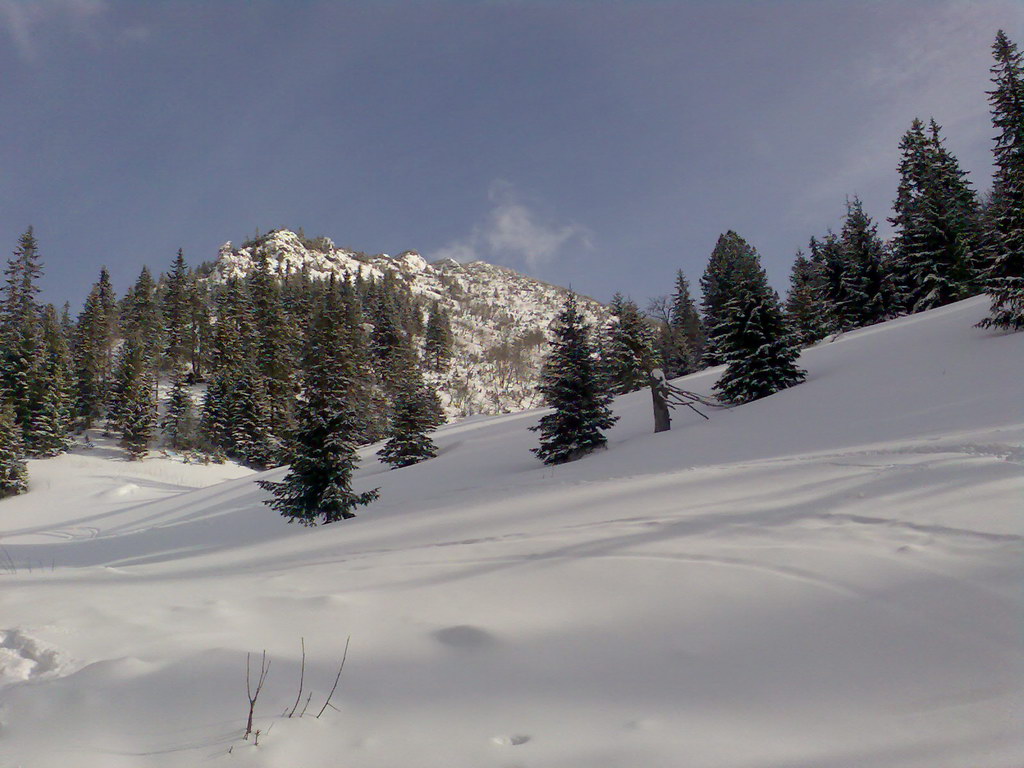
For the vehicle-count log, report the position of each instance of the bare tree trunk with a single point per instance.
(659, 393)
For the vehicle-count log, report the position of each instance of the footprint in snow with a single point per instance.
(464, 636)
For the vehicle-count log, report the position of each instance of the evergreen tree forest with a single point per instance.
(212, 369)
(948, 244)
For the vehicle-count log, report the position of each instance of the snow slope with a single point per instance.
(828, 577)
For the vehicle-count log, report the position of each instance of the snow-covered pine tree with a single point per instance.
(868, 293)
(758, 347)
(437, 344)
(48, 432)
(179, 422)
(685, 323)
(1004, 277)
(92, 350)
(573, 387)
(414, 417)
(629, 347)
(273, 351)
(318, 486)
(140, 314)
(20, 331)
(133, 402)
(804, 312)
(733, 262)
(935, 216)
(176, 309)
(236, 411)
(13, 472)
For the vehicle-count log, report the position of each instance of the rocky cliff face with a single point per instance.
(500, 318)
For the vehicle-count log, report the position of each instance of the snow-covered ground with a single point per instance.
(831, 577)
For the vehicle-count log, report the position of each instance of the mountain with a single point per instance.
(828, 577)
(499, 317)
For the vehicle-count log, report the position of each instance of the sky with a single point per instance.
(602, 145)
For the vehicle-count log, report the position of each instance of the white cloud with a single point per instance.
(512, 230)
(21, 19)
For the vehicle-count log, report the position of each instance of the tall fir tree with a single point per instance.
(415, 416)
(177, 313)
(13, 471)
(48, 432)
(93, 350)
(686, 325)
(935, 217)
(273, 349)
(1004, 278)
(20, 329)
(132, 411)
(140, 314)
(733, 263)
(629, 347)
(179, 422)
(759, 350)
(805, 313)
(573, 387)
(236, 409)
(318, 486)
(868, 286)
(438, 340)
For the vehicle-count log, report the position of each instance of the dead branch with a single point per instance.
(336, 679)
(264, 669)
(302, 677)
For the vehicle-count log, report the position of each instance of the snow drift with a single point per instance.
(827, 577)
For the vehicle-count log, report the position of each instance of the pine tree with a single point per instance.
(733, 263)
(133, 404)
(273, 351)
(868, 290)
(20, 329)
(415, 415)
(1005, 275)
(179, 422)
(140, 314)
(752, 337)
(572, 386)
(318, 486)
(935, 216)
(759, 350)
(686, 325)
(629, 349)
(92, 350)
(48, 432)
(804, 311)
(13, 472)
(177, 313)
(236, 410)
(437, 345)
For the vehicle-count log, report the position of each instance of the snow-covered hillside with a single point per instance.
(826, 578)
(499, 316)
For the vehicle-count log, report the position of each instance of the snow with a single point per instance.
(497, 315)
(829, 577)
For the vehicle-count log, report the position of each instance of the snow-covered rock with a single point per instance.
(499, 317)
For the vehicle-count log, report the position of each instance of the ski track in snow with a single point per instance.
(793, 584)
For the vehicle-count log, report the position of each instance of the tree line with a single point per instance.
(949, 243)
(135, 366)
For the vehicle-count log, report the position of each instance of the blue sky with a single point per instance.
(598, 144)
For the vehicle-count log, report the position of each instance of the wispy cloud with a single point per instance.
(22, 20)
(937, 69)
(514, 230)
